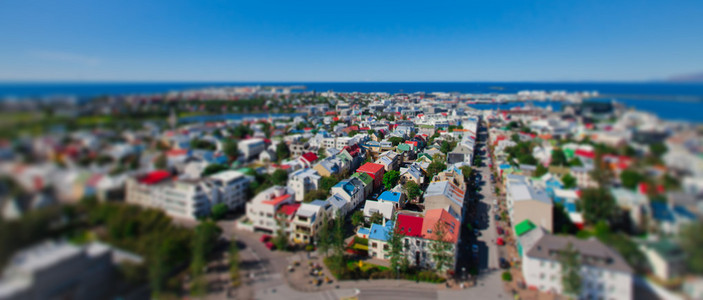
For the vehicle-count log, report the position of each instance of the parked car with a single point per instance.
(504, 264)
(265, 238)
(500, 241)
(476, 232)
(496, 217)
(500, 230)
(474, 248)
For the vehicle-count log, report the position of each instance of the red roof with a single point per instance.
(331, 113)
(289, 209)
(277, 200)
(155, 177)
(409, 225)
(370, 168)
(364, 128)
(177, 152)
(310, 157)
(353, 149)
(451, 225)
(584, 153)
(411, 143)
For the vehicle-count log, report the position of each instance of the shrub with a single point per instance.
(507, 276)
(309, 248)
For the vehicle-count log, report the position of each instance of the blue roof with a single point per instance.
(346, 185)
(684, 212)
(380, 232)
(364, 231)
(389, 196)
(661, 212)
(570, 207)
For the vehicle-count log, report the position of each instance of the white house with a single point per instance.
(261, 211)
(303, 181)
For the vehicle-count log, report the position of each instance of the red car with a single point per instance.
(265, 238)
(500, 241)
(270, 246)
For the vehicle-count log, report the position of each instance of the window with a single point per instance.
(374, 245)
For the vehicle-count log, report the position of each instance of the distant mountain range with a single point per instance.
(695, 77)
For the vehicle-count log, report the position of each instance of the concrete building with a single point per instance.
(604, 273)
(184, 198)
(60, 270)
(231, 188)
(528, 202)
(303, 181)
(261, 211)
(308, 220)
(251, 148)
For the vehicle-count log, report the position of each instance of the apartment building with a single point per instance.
(374, 170)
(231, 187)
(303, 181)
(251, 148)
(528, 202)
(308, 220)
(262, 209)
(604, 273)
(184, 198)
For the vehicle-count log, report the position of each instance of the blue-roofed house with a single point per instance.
(398, 199)
(351, 190)
(671, 218)
(363, 232)
(378, 237)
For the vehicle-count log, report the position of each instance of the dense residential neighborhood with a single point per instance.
(593, 201)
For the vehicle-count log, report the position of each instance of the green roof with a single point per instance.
(404, 147)
(365, 178)
(523, 227)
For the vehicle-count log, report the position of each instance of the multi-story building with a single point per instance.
(376, 172)
(303, 181)
(308, 220)
(61, 270)
(231, 187)
(604, 273)
(419, 232)
(389, 159)
(251, 148)
(528, 202)
(261, 211)
(351, 190)
(298, 148)
(184, 198)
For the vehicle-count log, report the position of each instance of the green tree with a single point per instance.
(390, 179)
(231, 149)
(570, 270)
(396, 140)
(161, 162)
(337, 244)
(467, 172)
(445, 147)
(213, 169)
(327, 182)
(598, 204)
(281, 238)
(233, 257)
(324, 236)
(205, 237)
(575, 162)
(658, 149)
(315, 195)
(692, 244)
(219, 210)
(541, 170)
(558, 158)
(569, 181)
(630, 178)
(357, 218)
(441, 247)
(282, 151)
(434, 168)
(506, 276)
(412, 189)
(376, 218)
(527, 159)
(279, 177)
(395, 245)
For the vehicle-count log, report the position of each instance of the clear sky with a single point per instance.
(219, 40)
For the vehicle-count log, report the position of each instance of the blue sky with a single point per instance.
(218, 40)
